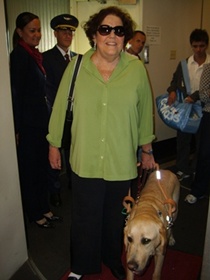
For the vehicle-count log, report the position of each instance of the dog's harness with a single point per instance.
(128, 201)
(168, 201)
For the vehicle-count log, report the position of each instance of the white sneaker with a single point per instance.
(181, 175)
(191, 199)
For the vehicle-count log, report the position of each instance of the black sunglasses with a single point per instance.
(106, 30)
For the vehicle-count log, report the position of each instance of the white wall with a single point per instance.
(13, 251)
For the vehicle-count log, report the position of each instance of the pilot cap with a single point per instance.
(64, 21)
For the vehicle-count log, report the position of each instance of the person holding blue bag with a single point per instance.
(199, 41)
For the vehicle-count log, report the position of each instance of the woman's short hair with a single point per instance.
(90, 27)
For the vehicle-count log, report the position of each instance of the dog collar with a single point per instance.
(169, 219)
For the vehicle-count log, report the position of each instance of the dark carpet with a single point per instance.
(49, 255)
(177, 266)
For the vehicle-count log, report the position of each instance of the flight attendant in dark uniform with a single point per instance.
(28, 81)
(55, 61)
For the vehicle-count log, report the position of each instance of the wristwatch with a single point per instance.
(149, 152)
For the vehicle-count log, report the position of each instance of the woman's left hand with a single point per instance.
(148, 162)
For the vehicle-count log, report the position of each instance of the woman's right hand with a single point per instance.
(188, 99)
(171, 98)
(54, 157)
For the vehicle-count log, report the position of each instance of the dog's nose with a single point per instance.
(132, 265)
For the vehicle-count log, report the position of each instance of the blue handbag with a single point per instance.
(180, 115)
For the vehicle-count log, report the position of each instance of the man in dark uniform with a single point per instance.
(55, 62)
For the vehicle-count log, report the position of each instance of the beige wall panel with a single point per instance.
(206, 18)
(13, 251)
(45, 9)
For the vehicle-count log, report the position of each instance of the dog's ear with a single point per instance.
(163, 240)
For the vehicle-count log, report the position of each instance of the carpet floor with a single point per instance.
(177, 266)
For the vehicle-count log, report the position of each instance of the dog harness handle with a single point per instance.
(128, 202)
(172, 203)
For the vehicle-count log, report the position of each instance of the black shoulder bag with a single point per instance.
(66, 139)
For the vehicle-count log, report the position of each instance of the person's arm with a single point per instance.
(56, 125)
(58, 115)
(204, 89)
(57, 118)
(171, 98)
(193, 97)
(174, 85)
(148, 161)
(146, 128)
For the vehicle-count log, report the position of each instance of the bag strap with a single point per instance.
(186, 76)
(71, 91)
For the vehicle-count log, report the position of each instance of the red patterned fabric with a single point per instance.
(34, 52)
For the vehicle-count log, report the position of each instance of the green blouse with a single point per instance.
(111, 119)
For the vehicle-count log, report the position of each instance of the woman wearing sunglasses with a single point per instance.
(112, 115)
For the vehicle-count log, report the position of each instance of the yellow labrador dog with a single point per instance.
(148, 229)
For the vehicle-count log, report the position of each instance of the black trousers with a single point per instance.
(54, 184)
(97, 224)
(33, 162)
(184, 143)
(201, 182)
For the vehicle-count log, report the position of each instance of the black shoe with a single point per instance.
(46, 225)
(119, 272)
(55, 199)
(54, 219)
